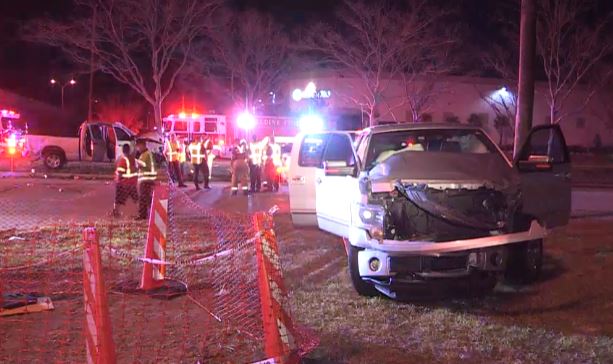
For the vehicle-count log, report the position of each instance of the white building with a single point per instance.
(458, 99)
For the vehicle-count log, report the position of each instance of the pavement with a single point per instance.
(31, 201)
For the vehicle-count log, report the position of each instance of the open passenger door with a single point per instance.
(306, 158)
(336, 185)
(544, 165)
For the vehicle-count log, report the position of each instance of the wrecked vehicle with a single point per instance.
(423, 202)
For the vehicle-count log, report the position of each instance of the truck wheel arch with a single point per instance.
(53, 150)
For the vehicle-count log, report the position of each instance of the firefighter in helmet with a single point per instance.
(197, 158)
(240, 168)
(147, 175)
(175, 155)
(272, 160)
(125, 179)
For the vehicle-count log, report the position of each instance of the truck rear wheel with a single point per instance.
(53, 159)
(361, 286)
(525, 262)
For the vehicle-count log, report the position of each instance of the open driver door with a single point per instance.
(545, 169)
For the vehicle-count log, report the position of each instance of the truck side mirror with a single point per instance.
(338, 168)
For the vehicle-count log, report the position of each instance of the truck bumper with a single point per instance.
(481, 253)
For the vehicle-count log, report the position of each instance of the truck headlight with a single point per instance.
(371, 218)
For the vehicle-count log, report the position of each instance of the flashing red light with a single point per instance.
(11, 142)
(182, 115)
(195, 115)
(221, 143)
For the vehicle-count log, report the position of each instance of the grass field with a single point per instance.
(566, 317)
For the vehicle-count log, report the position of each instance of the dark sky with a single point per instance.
(26, 68)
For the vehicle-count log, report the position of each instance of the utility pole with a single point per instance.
(525, 87)
(92, 69)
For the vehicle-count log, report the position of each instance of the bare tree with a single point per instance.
(569, 49)
(252, 52)
(141, 43)
(126, 110)
(377, 43)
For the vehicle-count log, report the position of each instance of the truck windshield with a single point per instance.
(383, 145)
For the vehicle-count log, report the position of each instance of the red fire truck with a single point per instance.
(13, 133)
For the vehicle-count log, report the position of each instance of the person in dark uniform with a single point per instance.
(255, 163)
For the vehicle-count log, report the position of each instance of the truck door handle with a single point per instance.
(298, 180)
(318, 180)
(565, 175)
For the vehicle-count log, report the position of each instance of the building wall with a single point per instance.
(461, 97)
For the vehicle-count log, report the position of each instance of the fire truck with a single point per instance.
(187, 126)
(13, 134)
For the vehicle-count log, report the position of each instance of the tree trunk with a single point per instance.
(500, 136)
(552, 113)
(527, 52)
(157, 114)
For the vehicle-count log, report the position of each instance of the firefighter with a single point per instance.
(240, 169)
(197, 157)
(255, 165)
(272, 156)
(147, 175)
(125, 179)
(173, 150)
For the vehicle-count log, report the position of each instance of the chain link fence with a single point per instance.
(211, 311)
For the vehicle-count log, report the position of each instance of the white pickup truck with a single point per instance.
(417, 203)
(94, 142)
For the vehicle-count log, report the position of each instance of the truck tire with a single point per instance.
(53, 159)
(361, 286)
(525, 262)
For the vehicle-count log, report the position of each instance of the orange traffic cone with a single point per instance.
(99, 336)
(279, 343)
(154, 268)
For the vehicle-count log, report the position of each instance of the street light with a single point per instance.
(70, 82)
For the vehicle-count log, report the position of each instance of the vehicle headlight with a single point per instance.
(371, 218)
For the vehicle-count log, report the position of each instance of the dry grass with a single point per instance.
(534, 324)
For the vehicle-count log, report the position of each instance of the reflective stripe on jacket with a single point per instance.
(196, 152)
(147, 171)
(171, 151)
(126, 167)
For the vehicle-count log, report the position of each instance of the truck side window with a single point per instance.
(546, 142)
(339, 149)
(312, 150)
(122, 135)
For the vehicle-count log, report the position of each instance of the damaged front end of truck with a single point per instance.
(427, 216)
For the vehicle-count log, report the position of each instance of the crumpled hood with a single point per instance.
(489, 169)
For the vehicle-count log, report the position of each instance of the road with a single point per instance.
(27, 202)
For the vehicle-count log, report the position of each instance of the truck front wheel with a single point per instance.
(53, 159)
(362, 287)
(525, 262)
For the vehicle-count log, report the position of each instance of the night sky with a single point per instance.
(26, 68)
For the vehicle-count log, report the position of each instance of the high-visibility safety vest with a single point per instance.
(255, 153)
(126, 168)
(173, 151)
(196, 151)
(147, 171)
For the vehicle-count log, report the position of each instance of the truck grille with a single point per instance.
(413, 264)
